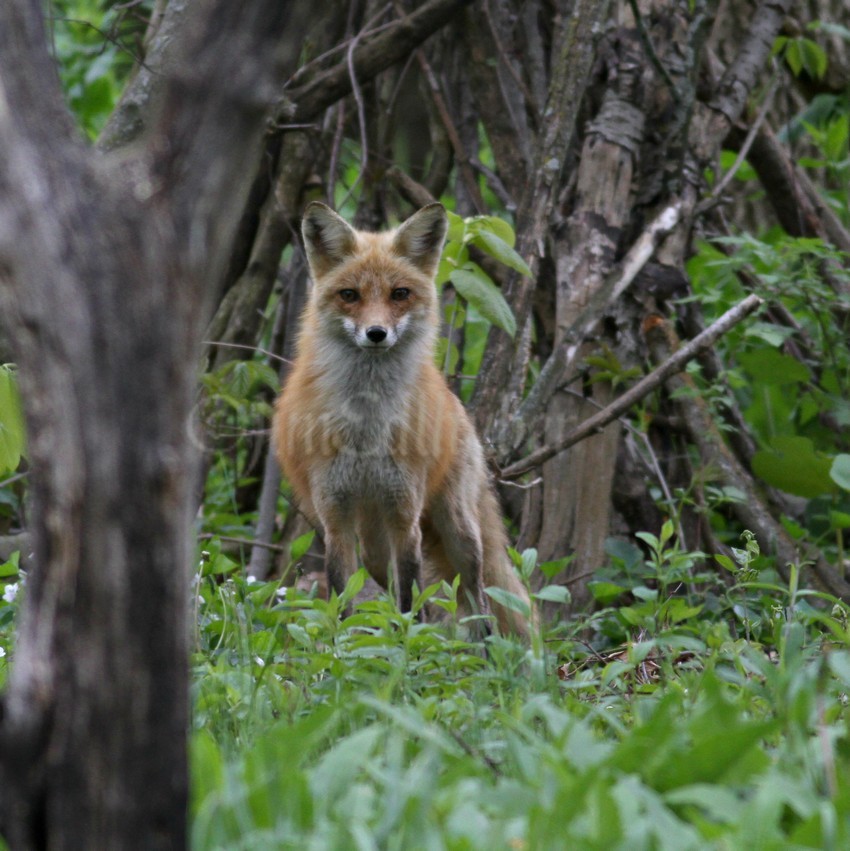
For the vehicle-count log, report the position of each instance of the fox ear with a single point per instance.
(328, 238)
(420, 238)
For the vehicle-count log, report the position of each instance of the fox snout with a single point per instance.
(375, 337)
(376, 334)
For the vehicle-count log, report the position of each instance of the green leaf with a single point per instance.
(498, 248)
(791, 464)
(605, 592)
(773, 335)
(508, 600)
(770, 366)
(455, 255)
(814, 58)
(840, 471)
(528, 563)
(12, 436)
(554, 594)
(551, 569)
(353, 587)
(477, 288)
(725, 561)
(499, 227)
(457, 228)
(11, 567)
(831, 29)
(794, 56)
(299, 547)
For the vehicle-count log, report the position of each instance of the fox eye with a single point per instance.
(400, 294)
(349, 296)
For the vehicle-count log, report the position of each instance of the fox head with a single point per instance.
(374, 290)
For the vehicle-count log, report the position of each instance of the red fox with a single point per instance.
(375, 446)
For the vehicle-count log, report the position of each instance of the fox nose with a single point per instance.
(376, 334)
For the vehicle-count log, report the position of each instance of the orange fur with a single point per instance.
(376, 447)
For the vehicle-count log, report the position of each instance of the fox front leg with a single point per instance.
(340, 556)
(408, 568)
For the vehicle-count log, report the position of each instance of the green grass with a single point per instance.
(377, 732)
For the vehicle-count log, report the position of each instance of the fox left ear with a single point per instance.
(420, 238)
(328, 239)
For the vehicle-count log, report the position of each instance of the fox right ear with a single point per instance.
(328, 238)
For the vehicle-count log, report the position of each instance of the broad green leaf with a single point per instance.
(840, 471)
(498, 248)
(528, 563)
(791, 464)
(455, 255)
(477, 288)
(551, 569)
(11, 567)
(508, 600)
(814, 58)
(499, 227)
(299, 547)
(457, 227)
(773, 335)
(831, 29)
(12, 437)
(605, 592)
(770, 366)
(554, 594)
(794, 56)
(353, 587)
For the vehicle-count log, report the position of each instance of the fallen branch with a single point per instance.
(673, 364)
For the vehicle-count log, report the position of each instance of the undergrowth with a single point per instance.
(698, 715)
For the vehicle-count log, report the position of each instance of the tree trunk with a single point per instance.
(104, 295)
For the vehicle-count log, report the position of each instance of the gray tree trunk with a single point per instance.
(104, 293)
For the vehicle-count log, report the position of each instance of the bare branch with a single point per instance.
(375, 54)
(675, 363)
(556, 368)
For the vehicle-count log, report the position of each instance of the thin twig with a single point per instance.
(230, 539)
(259, 349)
(653, 463)
(304, 69)
(533, 107)
(12, 479)
(336, 146)
(357, 94)
(648, 46)
(675, 363)
(717, 192)
(571, 580)
(106, 36)
(522, 485)
(460, 152)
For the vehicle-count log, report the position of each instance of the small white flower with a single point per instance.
(2, 652)
(260, 661)
(281, 592)
(10, 592)
(251, 580)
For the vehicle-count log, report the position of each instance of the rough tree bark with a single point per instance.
(104, 285)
